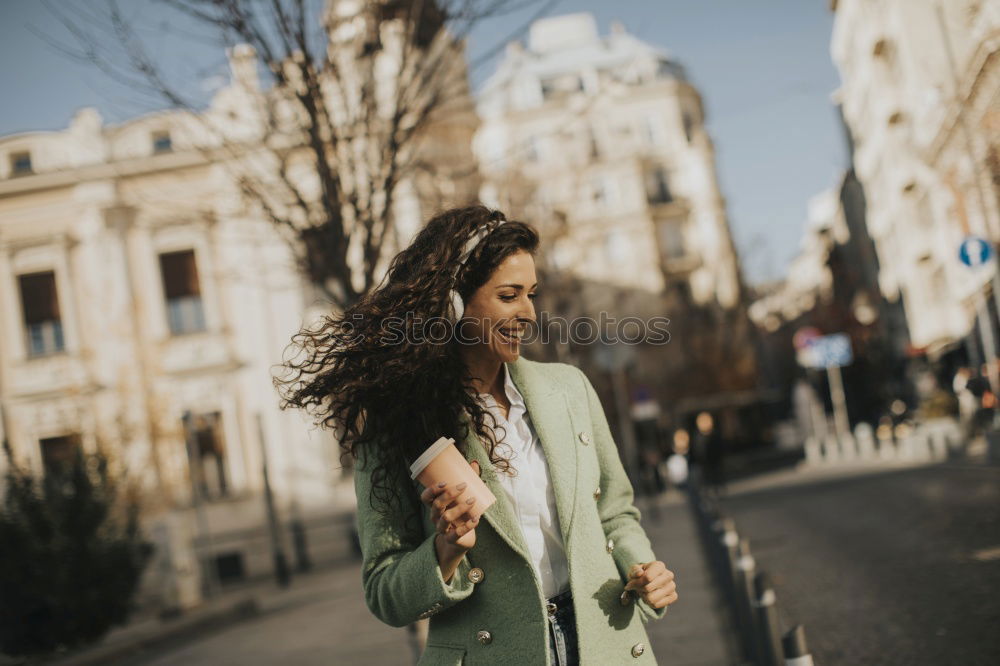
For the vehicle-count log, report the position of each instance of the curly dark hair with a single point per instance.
(398, 393)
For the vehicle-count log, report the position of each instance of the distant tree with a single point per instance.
(70, 555)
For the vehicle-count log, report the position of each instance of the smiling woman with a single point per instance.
(562, 547)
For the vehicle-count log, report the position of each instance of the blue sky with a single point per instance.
(763, 68)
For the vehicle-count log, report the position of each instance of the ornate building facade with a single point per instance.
(921, 92)
(144, 305)
(601, 141)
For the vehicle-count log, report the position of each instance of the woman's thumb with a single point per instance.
(475, 466)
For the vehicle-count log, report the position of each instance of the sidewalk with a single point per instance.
(322, 618)
(696, 630)
(254, 599)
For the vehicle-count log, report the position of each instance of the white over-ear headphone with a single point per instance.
(457, 304)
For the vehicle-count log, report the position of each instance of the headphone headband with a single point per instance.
(470, 246)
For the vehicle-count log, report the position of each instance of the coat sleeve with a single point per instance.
(619, 516)
(400, 574)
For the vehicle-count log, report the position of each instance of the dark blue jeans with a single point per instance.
(562, 630)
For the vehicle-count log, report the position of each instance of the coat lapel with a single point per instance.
(548, 408)
(501, 514)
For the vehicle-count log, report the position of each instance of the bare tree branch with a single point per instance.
(346, 116)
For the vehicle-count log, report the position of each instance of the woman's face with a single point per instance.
(498, 311)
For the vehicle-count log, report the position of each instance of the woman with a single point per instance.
(558, 570)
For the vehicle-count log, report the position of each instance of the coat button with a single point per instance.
(585, 438)
(597, 494)
(626, 597)
(611, 545)
(484, 637)
(638, 649)
(476, 574)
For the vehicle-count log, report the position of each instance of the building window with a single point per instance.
(666, 69)
(20, 164)
(206, 455)
(58, 453)
(925, 215)
(657, 189)
(182, 289)
(162, 142)
(594, 148)
(672, 239)
(653, 130)
(617, 247)
(688, 121)
(40, 307)
(559, 86)
(603, 192)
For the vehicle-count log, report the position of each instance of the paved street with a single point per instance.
(901, 567)
(323, 620)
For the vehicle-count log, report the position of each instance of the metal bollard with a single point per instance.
(769, 632)
(729, 543)
(744, 577)
(795, 648)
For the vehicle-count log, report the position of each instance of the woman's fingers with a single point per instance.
(455, 512)
(462, 529)
(652, 581)
(431, 493)
(448, 495)
(660, 598)
(454, 531)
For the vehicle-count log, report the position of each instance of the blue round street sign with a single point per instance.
(974, 251)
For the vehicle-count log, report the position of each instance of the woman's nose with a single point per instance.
(527, 312)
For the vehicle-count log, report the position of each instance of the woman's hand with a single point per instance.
(449, 507)
(654, 583)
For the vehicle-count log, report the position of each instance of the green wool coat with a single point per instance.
(501, 618)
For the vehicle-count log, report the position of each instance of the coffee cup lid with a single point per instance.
(427, 456)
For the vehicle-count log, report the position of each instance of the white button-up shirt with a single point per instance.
(530, 489)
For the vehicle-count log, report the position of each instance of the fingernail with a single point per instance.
(461, 486)
(470, 500)
(442, 484)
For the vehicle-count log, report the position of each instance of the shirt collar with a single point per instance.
(513, 395)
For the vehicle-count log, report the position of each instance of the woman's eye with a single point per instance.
(533, 296)
(507, 297)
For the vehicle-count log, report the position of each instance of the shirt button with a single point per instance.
(486, 637)
(476, 575)
(611, 545)
(585, 438)
(597, 494)
(626, 597)
(638, 649)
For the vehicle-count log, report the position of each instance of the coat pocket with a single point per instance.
(442, 655)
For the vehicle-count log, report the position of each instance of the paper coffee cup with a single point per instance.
(442, 461)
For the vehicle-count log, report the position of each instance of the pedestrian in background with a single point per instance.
(677, 463)
(498, 589)
(967, 402)
(709, 449)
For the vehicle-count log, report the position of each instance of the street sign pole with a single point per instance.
(975, 253)
(839, 400)
(986, 333)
